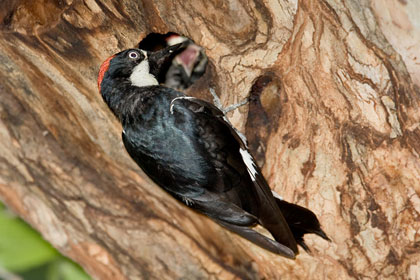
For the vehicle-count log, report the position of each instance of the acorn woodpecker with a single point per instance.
(188, 147)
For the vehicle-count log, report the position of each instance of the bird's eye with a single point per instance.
(133, 55)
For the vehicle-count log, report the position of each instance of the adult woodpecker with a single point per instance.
(188, 147)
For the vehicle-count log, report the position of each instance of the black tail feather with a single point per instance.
(301, 221)
(321, 233)
(260, 240)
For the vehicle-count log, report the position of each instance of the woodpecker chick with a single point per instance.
(188, 64)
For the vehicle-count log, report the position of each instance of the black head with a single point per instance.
(135, 65)
(121, 65)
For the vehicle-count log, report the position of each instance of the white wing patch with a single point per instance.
(276, 195)
(141, 76)
(249, 162)
(171, 108)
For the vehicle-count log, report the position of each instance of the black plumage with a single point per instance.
(188, 148)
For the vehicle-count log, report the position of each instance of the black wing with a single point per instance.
(168, 146)
(189, 148)
(243, 181)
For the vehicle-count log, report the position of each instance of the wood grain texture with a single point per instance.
(333, 120)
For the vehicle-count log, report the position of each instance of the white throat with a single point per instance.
(141, 76)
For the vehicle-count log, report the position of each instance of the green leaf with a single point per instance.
(65, 269)
(21, 247)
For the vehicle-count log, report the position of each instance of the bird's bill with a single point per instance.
(159, 58)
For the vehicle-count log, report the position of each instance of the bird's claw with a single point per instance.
(218, 103)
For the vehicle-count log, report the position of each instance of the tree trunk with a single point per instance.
(333, 121)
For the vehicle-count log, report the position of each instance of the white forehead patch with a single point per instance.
(141, 76)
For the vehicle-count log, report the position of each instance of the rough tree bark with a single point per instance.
(333, 121)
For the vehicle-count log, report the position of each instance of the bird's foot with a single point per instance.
(218, 103)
